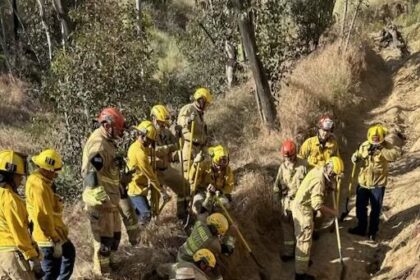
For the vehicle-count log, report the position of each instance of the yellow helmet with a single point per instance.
(217, 153)
(49, 160)
(205, 255)
(147, 129)
(219, 222)
(376, 134)
(12, 162)
(337, 165)
(161, 113)
(205, 93)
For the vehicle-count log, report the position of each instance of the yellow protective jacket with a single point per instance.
(139, 160)
(310, 194)
(109, 176)
(14, 224)
(374, 168)
(200, 130)
(223, 181)
(289, 177)
(315, 153)
(166, 144)
(45, 210)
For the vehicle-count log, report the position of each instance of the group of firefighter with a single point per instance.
(132, 190)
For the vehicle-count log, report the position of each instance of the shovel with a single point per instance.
(264, 275)
(340, 254)
(347, 211)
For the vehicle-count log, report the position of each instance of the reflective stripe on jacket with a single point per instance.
(109, 176)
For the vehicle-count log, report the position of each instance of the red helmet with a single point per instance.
(288, 148)
(326, 123)
(114, 117)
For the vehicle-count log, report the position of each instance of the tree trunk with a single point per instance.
(4, 44)
(61, 10)
(45, 27)
(343, 23)
(359, 3)
(138, 17)
(246, 29)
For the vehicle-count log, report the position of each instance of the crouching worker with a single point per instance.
(289, 176)
(203, 268)
(19, 259)
(211, 235)
(45, 210)
(211, 181)
(309, 198)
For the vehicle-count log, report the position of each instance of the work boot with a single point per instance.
(357, 231)
(304, 276)
(286, 258)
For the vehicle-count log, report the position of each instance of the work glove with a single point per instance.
(373, 149)
(354, 158)
(228, 245)
(35, 266)
(198, 158)
(211, 189)
(126, 178)
(165, 196)
(191, 118)
(95, 196)
(58, 250)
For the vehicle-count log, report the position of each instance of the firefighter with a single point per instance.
(102, 192)
(45, 208)
(19, 258)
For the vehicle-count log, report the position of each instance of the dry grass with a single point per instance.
(25, 125)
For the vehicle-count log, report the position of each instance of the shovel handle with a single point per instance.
(337, 231)
(190, 148)
(229, 217)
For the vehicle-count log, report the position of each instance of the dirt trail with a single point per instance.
(400, 112)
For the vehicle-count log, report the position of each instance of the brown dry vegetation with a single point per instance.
(25, 125)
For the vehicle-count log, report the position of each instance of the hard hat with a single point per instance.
(203, 93)
(49, 160)
(206, 256)
(183, 273)
(161, 113)
(146, 128)
(219, 222)
(337, 165)
(217, 153)
(376, 134)
(12, 162)
(326, 123)
(112, 116)
(288, 148)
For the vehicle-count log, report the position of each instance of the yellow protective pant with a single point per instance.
(304, 227)
(13, 268)
(106, 230)
(130, 220)
(172, 178)
(287, 226)
(186, 153)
